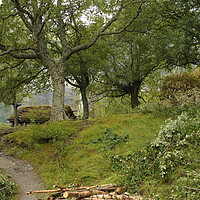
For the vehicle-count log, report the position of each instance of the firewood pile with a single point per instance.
(98, 192)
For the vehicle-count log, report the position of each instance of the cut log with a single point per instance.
(80, 195)
(43, 191)
(99, 187)
(97, 192)
(71, 189)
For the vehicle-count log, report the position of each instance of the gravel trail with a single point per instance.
(23, 174)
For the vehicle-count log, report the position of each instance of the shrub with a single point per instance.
(158, 109)
(45, 134)
(174, 152)
(181, 89)
(28, 137)
(109, 139)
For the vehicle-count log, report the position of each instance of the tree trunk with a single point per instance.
(15, 106)
(134, 95)
(85, 103)
(58, 83)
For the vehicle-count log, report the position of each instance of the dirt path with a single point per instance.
(23, 174)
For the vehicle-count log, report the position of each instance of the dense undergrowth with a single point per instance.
(125, 149)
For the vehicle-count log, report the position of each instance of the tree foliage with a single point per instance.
(149, 44)
(50, 32)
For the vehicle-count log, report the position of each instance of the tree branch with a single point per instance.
(102, 31)
(61, 30)
(22, 13)
(18, 64)
(11, 15)
(189, 188)
(28, 80)
(18, 55)
(73, 84)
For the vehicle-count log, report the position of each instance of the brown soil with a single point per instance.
(23, 174)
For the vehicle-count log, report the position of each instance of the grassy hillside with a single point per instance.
(142, 153)
(79, 151)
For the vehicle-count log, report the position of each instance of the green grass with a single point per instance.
(65, 152)
(89, 153)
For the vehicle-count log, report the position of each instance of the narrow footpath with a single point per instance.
(23, 174)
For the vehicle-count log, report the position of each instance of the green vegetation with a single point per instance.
(144, 152)
(7, 188)
(127, 149)
(108, 50)
(79, 151)
(168, 167)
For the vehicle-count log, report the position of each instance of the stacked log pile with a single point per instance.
(101, 192)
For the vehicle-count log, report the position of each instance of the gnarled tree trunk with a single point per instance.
(85, 103)
(134, 94)
(15, 106)
(58, 83)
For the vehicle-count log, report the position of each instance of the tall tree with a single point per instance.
(82, 70)
(131, 60)
(79, 77)
(44, 30)
(150, 44)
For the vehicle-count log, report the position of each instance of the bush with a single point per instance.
(109, 139)
(181, 89)
(175, 151)
(30, 136)
(47, 133)
(7, 188)
(158, 109)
